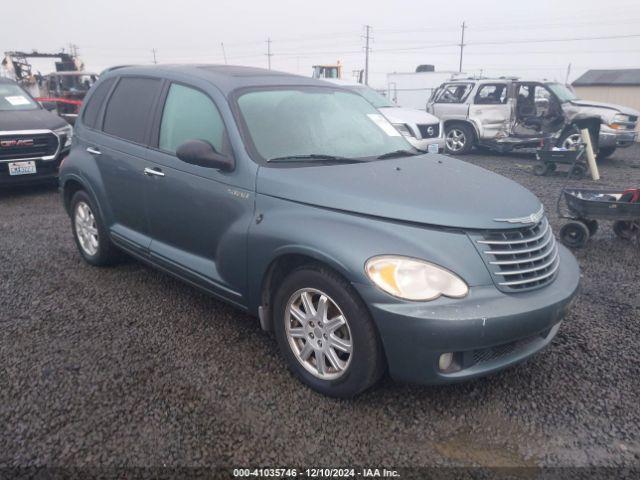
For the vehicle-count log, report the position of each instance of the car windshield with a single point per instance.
(316, 122)
(12, 97)
(373, 97)
(562, 92)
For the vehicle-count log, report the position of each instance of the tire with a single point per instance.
(578, 171)
(570, 139)
(90, 233)
(574, 234)
(625, 230)
(543, 169)
(592, 225)
(605, 152)
(459, 139)
(361, 368)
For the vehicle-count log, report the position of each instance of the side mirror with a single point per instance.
(202, 154)
(50, 106)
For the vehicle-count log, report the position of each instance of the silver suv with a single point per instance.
(504, 114)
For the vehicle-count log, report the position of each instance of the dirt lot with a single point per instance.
(126, 366)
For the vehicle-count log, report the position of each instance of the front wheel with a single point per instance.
(459, 139)
(625, 230)
(326, 334)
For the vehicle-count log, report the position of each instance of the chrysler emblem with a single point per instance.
(533, 218)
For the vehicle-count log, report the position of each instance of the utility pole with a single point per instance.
(566, 81)
(153, 50)
(464, 26)
(269, 54)
(366, 53)
(224, 54)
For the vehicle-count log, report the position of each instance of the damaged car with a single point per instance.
(504, 114)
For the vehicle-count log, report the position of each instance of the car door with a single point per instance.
(198, 216)
(490, 110)
(119, 147)
(450, 103)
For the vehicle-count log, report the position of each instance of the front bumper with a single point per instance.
(488, 330)
(423, 143)
(46, 170)
(610, 138)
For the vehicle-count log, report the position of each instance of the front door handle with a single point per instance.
(153, 172)
(94, 151)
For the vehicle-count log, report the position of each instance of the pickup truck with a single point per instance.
(33, 141)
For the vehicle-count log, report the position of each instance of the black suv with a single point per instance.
(33, 141)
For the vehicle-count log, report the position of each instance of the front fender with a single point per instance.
(345, 241)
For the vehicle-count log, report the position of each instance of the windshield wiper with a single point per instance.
(311, 157)
(397, 154)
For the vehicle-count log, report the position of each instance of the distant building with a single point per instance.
(614, 86)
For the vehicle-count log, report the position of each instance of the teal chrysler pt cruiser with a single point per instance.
(298, 202)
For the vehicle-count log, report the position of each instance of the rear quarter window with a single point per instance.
(128, 112)
(93, 107)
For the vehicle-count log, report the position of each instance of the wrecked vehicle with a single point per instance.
(66, 90)
(505, 114)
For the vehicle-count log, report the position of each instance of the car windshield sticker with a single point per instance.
(17, 100)
(384, 124)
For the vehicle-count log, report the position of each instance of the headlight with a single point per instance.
(413, 279)
(403, 129)
(67, 133)
(620, 118)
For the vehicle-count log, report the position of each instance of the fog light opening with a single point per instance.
(445, 362)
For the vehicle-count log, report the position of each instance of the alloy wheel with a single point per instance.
(86, 229)
(456, 140)
(572, 141)
(318, 334)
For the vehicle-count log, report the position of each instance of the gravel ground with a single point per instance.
(127, 367)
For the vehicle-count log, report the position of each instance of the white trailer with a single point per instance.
(413, 89)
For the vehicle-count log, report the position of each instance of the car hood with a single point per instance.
(408, 115)
(607, 106)
(426, 189)
(30, 120)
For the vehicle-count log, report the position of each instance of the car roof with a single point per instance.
(226, 77)
(69, 73)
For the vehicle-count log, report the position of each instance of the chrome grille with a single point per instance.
(520, 258)
(21, 145)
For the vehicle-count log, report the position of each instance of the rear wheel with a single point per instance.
(459, 139)
(574, 234)
(578, 171)
(89, 232)
(326, 334)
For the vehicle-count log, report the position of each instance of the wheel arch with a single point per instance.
(284, 262)
(467, 123)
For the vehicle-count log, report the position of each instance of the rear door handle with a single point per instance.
(94, 151)
(153, 172)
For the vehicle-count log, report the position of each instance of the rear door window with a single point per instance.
(92, 110)
(129, 108)
(190, 114)
(492, 94)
